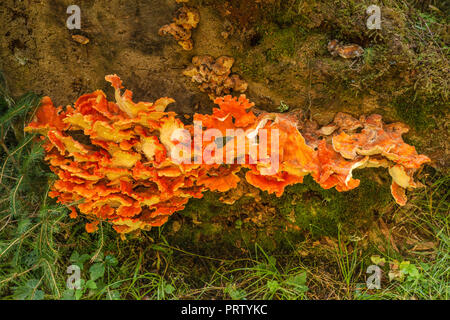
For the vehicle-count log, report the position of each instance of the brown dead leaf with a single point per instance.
(330, 242)
(424, 246)
(348, 51)
(386, 232)
(394, 272)
(303, 253)
(176, 226)
(80, 39)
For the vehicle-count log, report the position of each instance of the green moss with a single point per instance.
(320, 211)
(273, 44)
(251, 64)
(420, 113)
(315, 211)
(279, 42)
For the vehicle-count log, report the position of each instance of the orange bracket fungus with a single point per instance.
(135, 164)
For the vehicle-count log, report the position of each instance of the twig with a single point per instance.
(14, 195)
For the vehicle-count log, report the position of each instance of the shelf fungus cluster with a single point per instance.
(214, 76)
(135, 164)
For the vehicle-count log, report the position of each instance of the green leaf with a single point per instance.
(28, 291)
(297, 280)
(425, 266)
(99, 257)
(97, 270)
(38, 295)
(78, 260)
(68, 294)
(111, 260)
(235, 294)
(169, 289)
(409, 269)
(78, 294)
(377, 260)
(74, 257)
(113, 295)
(84, 257)
(273, 285)
(90, 284)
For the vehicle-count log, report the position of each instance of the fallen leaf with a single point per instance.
(80, 39)
(385, 230)
(378, 260)
(176, 226)
(424, 246)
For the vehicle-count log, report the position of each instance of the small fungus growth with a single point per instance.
(186, 19)
(214, 76)
(115, 160)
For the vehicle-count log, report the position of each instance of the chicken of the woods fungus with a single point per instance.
(114, 160)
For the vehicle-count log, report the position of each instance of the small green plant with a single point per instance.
(347, 261)
(264, 280)
(283, 107)
(99, 272)
(235, 293)
(29, 291)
